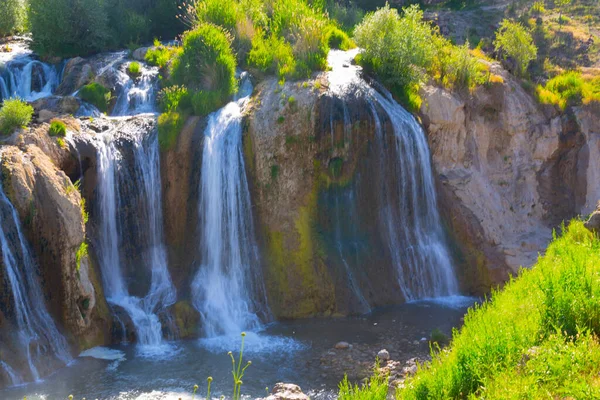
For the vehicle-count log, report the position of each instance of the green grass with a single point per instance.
(375, 389)
(134, 69)
(97, 95)
(569, 89)
(206, 67)
(57, 128)
(159, 55)
(14, 114)
(535, 339)
(82, 252)
(170, 125)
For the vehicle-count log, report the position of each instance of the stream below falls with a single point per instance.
(302, 352)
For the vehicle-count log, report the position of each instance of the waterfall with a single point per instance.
(137, 95)
(143, 311)
(227, 288)
(38, 338)
(28, 79)
(408, 213)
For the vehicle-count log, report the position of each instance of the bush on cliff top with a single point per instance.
(535, 339)
(569, 89)
(206, 65)
(14, 114)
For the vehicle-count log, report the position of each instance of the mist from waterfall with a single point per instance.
(227, 289)
(37, 335)
(143, 311)
(408, 213)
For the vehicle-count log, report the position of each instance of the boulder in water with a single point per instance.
(140, 54)
(287, 391)
(77, 73)
(342, 345)
(383, 355)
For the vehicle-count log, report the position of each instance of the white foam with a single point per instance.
(254, 343)
(455, 302)
(104, 353)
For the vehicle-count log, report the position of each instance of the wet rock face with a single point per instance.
(508, 171)
(315, 172)
(49, 207)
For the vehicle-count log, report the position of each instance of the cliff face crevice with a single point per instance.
(509, 171)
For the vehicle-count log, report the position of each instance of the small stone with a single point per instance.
(423, 339)
(342, 345)
(383, 355)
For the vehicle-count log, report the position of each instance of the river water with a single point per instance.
(297, 352)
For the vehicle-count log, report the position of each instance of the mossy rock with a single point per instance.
(187, 319)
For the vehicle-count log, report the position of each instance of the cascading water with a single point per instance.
(143, 311)
(138, 94)
(227, 289)
(39, 340)
(28, 79)
(408, 210)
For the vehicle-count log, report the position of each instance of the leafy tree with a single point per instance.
(11, 16)
(516, 42)
(68, 27)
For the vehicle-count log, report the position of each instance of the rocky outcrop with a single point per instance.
(509, 171)
(180, 177)
(51, 209)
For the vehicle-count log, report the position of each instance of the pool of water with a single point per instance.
(300, 352)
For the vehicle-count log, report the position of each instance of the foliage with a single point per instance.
(456, 67)
(97, 95)
(516, 42)
(12, 15)
(375, 389)
(538, 333)
(173, 98)
(134, 69)
(84, 214)
(338, 39)
(81, 253)
(170, 125)
(14, 114)
(569, 89)
(67, 28)
(272, 55)
(57, 128)
(346, 16)
(160, 55)
(207, 66)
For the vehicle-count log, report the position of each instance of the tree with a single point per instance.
(561, 4)
(68, 27)
(11, 16)
(514, 41)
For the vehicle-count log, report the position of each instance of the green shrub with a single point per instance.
(272, 55)
(57, 128)
(338, 39)
(535, 339)
(14, 114)
(97, 95)
(67, 28)
(160, 55)
(205, 102)
(347, 16)
(207, 65)
(174, 98)
(455, 67)
(134, 69)
(170, 125)
(516, 42)
(398, 49)
(12, 15)
(569, 89)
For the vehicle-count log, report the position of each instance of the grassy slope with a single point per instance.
(535, 339)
